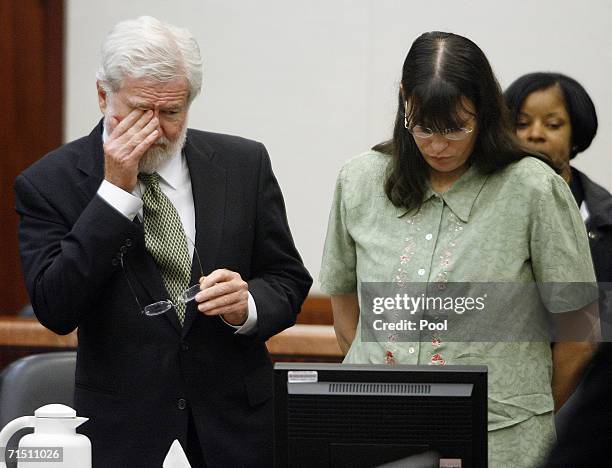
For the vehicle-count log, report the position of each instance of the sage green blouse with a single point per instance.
(518, 225)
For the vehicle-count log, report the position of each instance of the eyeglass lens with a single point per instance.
(189, 294)
(157, 308)
(161, 307)
(449, 134)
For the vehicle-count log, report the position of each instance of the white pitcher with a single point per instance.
(54, 428)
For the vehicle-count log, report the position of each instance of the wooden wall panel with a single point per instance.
(20, 336)
(31, 121)
(316, 311)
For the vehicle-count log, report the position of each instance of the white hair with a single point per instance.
(146, 47)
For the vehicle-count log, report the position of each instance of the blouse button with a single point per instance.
(421, 272)
(592, 235)
(428, 236)
(411, 350)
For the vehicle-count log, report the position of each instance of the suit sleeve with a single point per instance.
(279, 281)
(67, 263)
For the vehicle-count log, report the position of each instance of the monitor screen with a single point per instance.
(352, 415)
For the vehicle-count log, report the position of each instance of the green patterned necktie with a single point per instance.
(165, 239)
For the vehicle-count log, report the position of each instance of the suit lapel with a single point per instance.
(91, 164)
(208, 183)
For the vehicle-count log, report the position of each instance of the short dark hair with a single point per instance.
(439, 72)
(578, 104)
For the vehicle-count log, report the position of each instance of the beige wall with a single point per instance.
(316, 81)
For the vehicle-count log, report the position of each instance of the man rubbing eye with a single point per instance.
(112, 222)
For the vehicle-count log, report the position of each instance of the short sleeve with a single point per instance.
(338, 267)
(560, 252)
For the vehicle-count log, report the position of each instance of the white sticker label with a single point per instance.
(302, 376)
(450, 462)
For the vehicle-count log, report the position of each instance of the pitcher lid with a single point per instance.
(55, 410)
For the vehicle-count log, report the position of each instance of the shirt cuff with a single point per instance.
(250, 326)
(124, 202)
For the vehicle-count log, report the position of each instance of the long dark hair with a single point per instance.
(440, 72)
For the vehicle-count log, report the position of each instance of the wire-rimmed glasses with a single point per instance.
(418, 131)
(161, 307)
(453, 134)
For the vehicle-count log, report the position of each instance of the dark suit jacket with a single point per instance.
(138, 377)
(599, 225)
(584, 430)
(585, 437)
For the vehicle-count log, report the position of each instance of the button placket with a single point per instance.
(446, 257)
(431, 238)
(415, 262)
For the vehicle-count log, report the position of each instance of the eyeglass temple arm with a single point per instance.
(197, 256)
(128, 282)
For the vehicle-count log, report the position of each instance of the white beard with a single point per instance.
(162, 150)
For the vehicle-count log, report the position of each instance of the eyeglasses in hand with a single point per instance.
(161, 307)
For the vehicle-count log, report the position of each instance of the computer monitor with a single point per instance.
(352, 415)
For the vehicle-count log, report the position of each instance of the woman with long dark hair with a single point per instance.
(453, 197)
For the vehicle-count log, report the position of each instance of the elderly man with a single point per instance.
(117, 225)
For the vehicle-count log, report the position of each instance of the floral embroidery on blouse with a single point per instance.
(455, 228)
(436, 360)
(408, 250)
(403, 277)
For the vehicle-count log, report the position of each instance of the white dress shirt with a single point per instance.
(175, 183)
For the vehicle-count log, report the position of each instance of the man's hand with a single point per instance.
(129, 140)
(223, 292)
